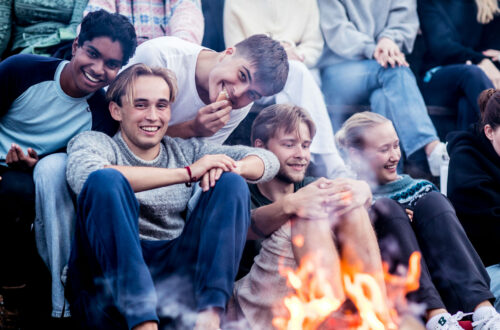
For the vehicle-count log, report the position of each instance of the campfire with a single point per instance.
(313, 305)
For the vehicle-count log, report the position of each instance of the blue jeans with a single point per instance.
(116, 280)
(391, 92)
(457, 86)
(54, 223)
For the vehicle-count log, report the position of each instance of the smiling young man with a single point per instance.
(44, 103)
(255, 67)
(137, 258)
(329, 215)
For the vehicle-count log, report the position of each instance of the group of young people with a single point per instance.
(142, 215)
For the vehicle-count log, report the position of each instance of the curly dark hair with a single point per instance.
(115, 26)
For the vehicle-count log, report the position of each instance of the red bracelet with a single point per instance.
(191, 178)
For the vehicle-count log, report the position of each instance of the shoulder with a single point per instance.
(90, 139)
(168, 45)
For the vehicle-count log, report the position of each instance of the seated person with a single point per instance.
(133, 245)
(430, 225)
(364, 63)
(38, 26)
(462, 46)
(254, 67)
(303, 43)
(45, 102)
(292, 205)
(152, 19)
(474, 181)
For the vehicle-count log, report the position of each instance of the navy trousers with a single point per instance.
(117, 280)
(457, 86)
(453, 275)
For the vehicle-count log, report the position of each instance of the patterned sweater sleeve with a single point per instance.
(88, 152)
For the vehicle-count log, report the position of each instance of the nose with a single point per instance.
(395, 154)
(300, 152)
(152, 114)
(98, 67)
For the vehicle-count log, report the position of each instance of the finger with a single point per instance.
(204, 184)
(32, 153)
(391, 61)
(218, 173)
(219, 105)
(14, 156)
(212, 177)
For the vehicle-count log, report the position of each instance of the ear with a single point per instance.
(74, 46)
(259, 144)
(115, 111)
(488, 131)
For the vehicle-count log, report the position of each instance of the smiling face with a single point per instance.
(93, 66)
(292, 150)
(235, 74)
(381, 150)
(144, 122)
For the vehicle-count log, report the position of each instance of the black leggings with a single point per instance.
(453, 275)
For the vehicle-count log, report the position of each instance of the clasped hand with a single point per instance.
(209, 169)
(325, 197)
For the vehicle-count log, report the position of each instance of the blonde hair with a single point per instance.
(280, 116)
(486, 10)
(350, 134)
(124, 83)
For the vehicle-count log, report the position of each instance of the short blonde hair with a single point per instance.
(123, 85)
(280, 116)
(350, 134)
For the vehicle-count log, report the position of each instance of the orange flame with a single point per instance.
(314, 302)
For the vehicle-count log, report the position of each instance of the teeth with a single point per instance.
(150, 128)
(89, 77)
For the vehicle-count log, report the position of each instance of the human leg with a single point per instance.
(109, 284)
(208, 252)
(54, 223)
(458, 86)
(17, 202)
(397, 242)
(455, 267)
(398, 98)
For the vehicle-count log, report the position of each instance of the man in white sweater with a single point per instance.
(135, 249)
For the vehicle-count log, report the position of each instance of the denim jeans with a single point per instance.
(116, 280)
(54, 223)
(494, 273)
(391, 92)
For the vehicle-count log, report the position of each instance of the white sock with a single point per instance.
(484, 312)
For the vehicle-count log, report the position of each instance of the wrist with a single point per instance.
(189, 176)
(288, 205)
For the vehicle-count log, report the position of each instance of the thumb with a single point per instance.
(32, 153)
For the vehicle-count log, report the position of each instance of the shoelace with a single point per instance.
(488, 322)
(457, 317)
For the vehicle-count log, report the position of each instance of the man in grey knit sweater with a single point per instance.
(132, 237)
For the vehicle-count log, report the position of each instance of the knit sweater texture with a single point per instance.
(406, 190)
(160, 209)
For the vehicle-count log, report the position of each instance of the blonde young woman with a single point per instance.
(452, 272)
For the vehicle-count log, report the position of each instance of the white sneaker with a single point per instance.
(438, 157)
(486, 318)
(445, 321)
